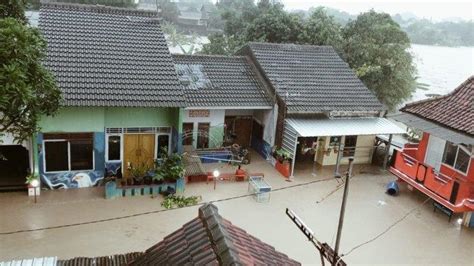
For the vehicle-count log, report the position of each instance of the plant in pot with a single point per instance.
(138, 173)
(171, 168)
(282, 156)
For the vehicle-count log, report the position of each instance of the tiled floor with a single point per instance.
(423, 237)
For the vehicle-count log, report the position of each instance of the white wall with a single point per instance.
(267, 118)
(215, 119)
(363, 152)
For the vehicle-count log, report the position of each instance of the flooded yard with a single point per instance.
(423, 237)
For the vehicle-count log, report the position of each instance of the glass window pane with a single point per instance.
(56, 156)
(349, 146)
(114, 148)
(462, 161)
(449, 153)
(163, 143)
(81, 154)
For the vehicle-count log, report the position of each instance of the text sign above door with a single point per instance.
(199, 113)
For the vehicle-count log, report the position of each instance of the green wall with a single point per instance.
(74, 119)
(87, 119)
(216, 135)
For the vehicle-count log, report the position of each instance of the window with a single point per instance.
(81, 154)
(66, 152)
(456, 156)
(114, 145)
(56, 156)
(349, 146)
(163, 143)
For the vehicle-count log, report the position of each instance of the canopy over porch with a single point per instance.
(312, 127)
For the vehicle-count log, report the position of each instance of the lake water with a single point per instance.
(442, 68)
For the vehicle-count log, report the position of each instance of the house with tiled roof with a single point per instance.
(208, 239)
(226, 101)
(325, 113)
(122, 100)
(441, 165)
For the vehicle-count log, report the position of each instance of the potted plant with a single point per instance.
(138, 173)
(283, 159)
(171, 168)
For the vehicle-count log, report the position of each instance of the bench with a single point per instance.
(443, 209)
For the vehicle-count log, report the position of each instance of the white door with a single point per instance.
(434, 152)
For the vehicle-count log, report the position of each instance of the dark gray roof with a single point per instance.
(105, 56)
(220, 81)
(312, 78)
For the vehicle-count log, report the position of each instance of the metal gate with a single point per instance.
(290, 140)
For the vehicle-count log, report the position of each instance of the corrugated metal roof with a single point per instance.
(310, 127)
(433, 128)
(45, 261)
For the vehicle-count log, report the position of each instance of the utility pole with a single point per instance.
(343, 210)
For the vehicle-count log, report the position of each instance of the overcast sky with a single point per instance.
(436, 10)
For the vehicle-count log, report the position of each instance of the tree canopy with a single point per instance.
(373, 44)
(28, 89)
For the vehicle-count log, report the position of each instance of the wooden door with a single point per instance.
(203, 136)
(188, 129)
(138, 149)
(243, 130)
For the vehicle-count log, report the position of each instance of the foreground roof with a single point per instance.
(106, 56)
(454, 110)
(220, 81)
(210, 239)
(312, 78)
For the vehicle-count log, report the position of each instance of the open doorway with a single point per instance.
(14, 164)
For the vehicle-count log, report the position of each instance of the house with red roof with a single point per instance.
(441, 164)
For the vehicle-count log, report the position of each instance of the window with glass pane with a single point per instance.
(163, 143)
(56, 156)
(462, 160)
(349, 146)
(449, 154)
(81, 154)
(114, 148)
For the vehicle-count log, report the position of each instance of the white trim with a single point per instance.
(228, 107)
(107, 135)
(68, 154)
(156, 143)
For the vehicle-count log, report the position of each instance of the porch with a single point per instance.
(444, 185)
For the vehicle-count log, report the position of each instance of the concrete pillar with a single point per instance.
(387, 151)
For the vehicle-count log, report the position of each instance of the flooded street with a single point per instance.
(423, 237)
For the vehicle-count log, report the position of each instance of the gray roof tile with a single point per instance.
(312, 78)
(220, 81)
(105, 56)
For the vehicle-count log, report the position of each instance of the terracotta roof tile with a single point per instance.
(454, 110)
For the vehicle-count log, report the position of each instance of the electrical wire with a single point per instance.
(156, 211)
(395, 223)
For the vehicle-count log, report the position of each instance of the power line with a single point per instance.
(155, 211)
(396, 222)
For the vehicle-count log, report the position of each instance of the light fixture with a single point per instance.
(35, 183)
(216, 173)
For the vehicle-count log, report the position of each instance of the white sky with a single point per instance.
(436, 10)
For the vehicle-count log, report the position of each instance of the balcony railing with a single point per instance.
(446, 190)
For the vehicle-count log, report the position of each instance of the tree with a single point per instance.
(169, 10)
(174, 38)
(376, 48)
(14, 9)
(28, 90)
(221, 44)
(322, 29)
(274, 25)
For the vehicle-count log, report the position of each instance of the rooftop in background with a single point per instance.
(454, 110)
(106, 56)
(312, 78)
(220, 81)
(208, 239)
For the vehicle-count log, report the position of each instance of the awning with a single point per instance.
(307, 127)
(433, 128)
